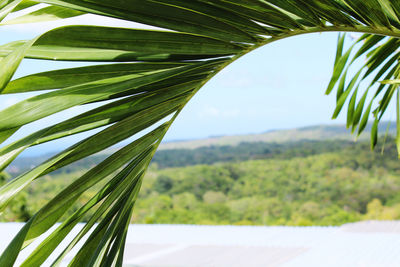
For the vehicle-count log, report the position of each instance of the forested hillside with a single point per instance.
(208, 154)
(303, 141)
(305, 182)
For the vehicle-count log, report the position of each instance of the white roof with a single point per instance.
(372, 243)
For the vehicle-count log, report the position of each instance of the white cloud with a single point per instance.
(213, 112)
(234, 79)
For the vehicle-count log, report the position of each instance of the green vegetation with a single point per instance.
(18, 209)
(277, 144)
(142, 81)
(206, 155)
(299, 183)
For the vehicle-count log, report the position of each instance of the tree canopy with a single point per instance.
(143, 78)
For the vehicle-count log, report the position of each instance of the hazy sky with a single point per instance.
(277, 86)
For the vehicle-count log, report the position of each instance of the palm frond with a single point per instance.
(141, 81)
(379, 72)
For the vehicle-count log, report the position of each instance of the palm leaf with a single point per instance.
(143, 79)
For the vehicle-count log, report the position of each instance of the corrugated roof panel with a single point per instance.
(367, 244)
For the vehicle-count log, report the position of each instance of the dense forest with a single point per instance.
(208, 154)
(293, 183)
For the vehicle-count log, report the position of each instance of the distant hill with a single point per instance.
(315, 133)
(214, 149)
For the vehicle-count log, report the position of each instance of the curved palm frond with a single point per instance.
(142, 80)
(380, 72)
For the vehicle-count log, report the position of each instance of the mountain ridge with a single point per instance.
(313, 132)
(226, 148)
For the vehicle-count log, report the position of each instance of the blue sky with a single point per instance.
(275, 87)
